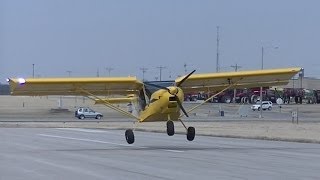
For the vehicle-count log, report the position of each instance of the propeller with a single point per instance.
(175, 94)
(181, 107)
(185, 78)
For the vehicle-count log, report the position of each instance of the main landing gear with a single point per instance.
(170, 128)
(129, 136)
(170, 131)
(190, 130)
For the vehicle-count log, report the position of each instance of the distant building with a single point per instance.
(304, 83)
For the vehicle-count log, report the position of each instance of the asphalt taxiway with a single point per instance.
(75, 153)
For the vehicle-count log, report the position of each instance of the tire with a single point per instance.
(259, 108)
(253, 99)
(81, 116)
(98, 117)
(226, 99)
(129, 136)
(191, 132)
(170, 128)
(269, 108)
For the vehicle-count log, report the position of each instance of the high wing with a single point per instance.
(75, 86)
(212, 82)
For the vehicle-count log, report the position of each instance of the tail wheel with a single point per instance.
(191, 132)
(129, 136)
(81, 116)
(170, 128)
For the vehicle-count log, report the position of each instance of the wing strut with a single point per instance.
(195, 107)
(109, 105)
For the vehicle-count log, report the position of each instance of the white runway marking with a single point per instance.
(86, 140)
(176, 151)
(98, 141)
(83, 130)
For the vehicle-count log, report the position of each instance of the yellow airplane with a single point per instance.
(162, 105)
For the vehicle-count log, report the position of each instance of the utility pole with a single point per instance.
(261, 88)
(160, 70)
(109, 69)
(262, 55)
(69, 73)
(185, 68)
(98, 73)
(32, 70)
(144, 70)
(217, 62)
(236, 67)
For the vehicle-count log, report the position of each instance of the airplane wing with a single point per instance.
(118, 100)
(212, 82)
(75, 86)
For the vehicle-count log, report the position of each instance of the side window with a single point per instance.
(85, 110)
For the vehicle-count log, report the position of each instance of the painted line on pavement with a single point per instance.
(86, 140)
(83, 130)
(176, 151)
(103, 142)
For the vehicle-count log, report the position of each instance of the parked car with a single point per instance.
(265, 105)
(84, 112)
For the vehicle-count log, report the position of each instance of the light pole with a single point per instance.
(236, 67)
(262, 59)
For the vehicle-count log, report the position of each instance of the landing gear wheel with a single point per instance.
(129, 136)
(170, 128)
(191, 132)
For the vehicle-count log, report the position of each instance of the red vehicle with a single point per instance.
(251, 95)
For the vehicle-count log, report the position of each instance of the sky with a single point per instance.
(58, 38)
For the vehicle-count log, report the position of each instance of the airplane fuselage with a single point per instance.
(163, 105)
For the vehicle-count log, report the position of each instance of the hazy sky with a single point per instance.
(83, 36)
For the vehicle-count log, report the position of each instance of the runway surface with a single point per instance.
(44, 153)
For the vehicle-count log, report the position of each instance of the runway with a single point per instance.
(48, 153)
